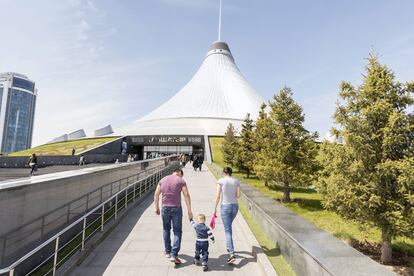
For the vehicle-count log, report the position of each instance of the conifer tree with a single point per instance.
(260, 138)
(288, 151)
(245, 147)
(370, 178)
(229, 145)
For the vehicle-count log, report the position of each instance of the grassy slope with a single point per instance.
(64, 148)
(308, 205)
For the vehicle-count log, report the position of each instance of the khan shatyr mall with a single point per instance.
(217, 95)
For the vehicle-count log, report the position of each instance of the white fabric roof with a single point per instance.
(216, 95)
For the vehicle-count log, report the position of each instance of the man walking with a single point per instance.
(171, 188)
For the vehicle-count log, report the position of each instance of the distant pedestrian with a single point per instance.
(183, 160)
(201, 247)
(228, 191)
(171, 187)
(195, 162)
(200, 161)
(73, 151)
(130, 159)
(32, 163)
(81, 160)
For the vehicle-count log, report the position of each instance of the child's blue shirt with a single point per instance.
(203, 231)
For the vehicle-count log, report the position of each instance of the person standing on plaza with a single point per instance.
(195, 163)
(200, 162)
(228, 191)
(81, 160)
(32, 163)
(73, 151)
(171, 187)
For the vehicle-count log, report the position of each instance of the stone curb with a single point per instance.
(257, 251)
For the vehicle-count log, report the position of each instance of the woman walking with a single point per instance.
(228, 191)
(32, 164)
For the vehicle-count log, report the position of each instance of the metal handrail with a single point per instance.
(12, 234)
(10, 269)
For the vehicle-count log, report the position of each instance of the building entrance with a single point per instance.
(163, 145)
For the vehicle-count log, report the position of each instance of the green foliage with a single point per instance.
(64, 148)
(370, 178)
(286, 150)
(229, 146)
(216, 152)
(245, 147)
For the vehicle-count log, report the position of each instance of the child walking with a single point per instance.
(201, 247)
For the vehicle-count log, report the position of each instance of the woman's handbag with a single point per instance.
(213, 220)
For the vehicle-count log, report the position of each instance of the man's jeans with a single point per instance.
(228, 213)
(201, 249)
(172, 215)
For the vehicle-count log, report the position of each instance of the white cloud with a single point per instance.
(63, 48)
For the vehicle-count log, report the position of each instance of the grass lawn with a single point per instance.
(308, 204)
(64, 148)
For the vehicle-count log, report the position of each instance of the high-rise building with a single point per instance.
(17, 108)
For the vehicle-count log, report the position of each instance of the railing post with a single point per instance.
(83, 234)
(102, 217)
(56, 256)
(140, 188)
(126, 197)
(116, 206)
(133, 194)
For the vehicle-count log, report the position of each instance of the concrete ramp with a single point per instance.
(135, 247)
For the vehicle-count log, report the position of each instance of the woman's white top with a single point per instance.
(229, 187)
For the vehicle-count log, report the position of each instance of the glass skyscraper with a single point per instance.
(17, 107)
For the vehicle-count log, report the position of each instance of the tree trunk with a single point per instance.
(286, 192)
(266, 183)
(386, 249)
(248, 174)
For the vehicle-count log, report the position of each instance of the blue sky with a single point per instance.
(99, 62)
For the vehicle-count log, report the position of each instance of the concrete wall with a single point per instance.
(34, 208)
(43, 161)
(308, 249)
(113, 147)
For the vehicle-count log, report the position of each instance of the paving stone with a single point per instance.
(135, 247)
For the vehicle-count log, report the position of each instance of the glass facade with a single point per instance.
(19, 120)
(24, 84)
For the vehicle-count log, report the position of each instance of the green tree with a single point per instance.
(288, 152)
(260, 137)
(229, 145)
(370, 178)
(245, 153)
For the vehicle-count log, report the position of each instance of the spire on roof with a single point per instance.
(219, 25)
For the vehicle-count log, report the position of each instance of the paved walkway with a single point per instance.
(135, 247)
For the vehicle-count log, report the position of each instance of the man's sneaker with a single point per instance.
(175, 260)
(196, 262)
(205, 267)
(231, 260)
(167, 255)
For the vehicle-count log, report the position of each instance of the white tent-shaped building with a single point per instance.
(217, 95)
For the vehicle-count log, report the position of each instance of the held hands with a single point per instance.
(157, 211)
(190, 215)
